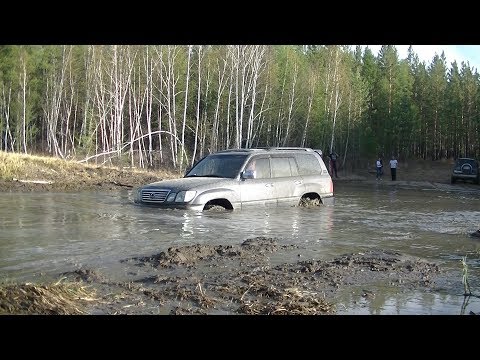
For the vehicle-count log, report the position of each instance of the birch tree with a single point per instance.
(222, 83)
(23, 87)
(5, 110)
(334, 97)
(291, 103)
(312, 82)
(258, 63)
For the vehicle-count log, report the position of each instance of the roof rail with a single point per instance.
(289, 148)
(272, 148)
(239, 150)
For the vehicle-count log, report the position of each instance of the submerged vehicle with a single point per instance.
(466, 169)
(238, 178)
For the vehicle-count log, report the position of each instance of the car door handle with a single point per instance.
(298, 182)
(269, 185)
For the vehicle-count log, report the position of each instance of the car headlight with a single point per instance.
(185, 196)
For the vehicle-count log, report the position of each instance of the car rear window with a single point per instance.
(467, 161)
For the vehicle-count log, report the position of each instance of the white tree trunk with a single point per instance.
(216, 121)
(24, 102)
(292, 101)
(199, 94)
(185, 108)
(335, 95)
(279, 122)
(313, 82)
(257, 67)
(6, 101)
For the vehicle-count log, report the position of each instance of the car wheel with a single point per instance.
(215, 208)
(307, 202)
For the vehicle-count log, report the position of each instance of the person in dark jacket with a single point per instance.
(333, 162)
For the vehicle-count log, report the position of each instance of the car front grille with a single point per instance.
(154, 196)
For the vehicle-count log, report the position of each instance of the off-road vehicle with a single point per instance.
(466, 169)
(239, 178)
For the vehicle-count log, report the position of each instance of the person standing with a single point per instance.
(333, 162)
(379, 168)
(393, 168)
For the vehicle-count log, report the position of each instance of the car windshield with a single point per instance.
(218, 165)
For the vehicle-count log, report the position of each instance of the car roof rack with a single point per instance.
(271, 148)
(238, 150)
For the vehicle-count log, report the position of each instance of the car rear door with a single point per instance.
(314, 174)
(288, 184)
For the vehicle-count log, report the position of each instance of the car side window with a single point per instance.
(293, 166)
(280, 167)
(308, 164)
(262, 168)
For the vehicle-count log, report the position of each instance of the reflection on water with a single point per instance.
(49, 233)
(388, 301)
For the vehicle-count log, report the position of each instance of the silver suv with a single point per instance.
(239, 178)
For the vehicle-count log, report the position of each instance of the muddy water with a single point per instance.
(45, 234)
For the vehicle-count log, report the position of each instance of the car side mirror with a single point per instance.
(248, 174)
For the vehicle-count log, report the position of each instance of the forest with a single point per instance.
(153, 106)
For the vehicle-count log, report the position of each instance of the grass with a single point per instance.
(15, 166)
(60, 298)
(23, 166)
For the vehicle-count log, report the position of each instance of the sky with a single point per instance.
(466, 53)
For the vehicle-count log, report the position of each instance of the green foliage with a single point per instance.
(381, 104)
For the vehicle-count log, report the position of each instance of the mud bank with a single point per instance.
(242, 279)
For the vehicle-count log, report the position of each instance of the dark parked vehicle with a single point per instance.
(238, 178)
(466, 169)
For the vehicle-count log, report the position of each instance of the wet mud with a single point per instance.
(241, 279)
